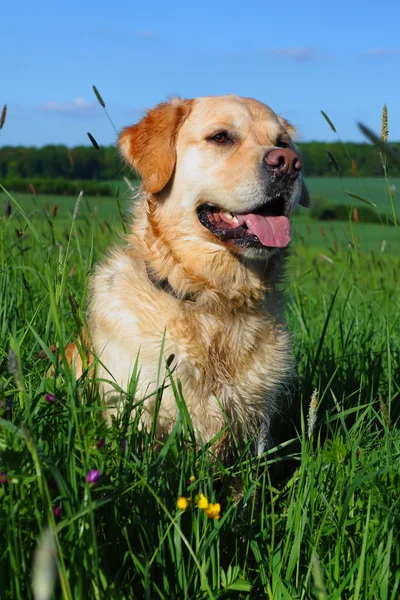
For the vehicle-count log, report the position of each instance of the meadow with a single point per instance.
(105, 211)
(332, 189)
(91, 512)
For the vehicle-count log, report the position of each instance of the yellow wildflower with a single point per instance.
(192, 478)
(213, 511)
(202, 502)
(182, 503)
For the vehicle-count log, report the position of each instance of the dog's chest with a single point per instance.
(237, 360)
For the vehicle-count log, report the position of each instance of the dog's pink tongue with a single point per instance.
(271, 231)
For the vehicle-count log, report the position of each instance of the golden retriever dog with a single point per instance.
(200, 270)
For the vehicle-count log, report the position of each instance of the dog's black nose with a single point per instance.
(284, 161)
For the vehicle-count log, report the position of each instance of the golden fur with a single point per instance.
(221, 313)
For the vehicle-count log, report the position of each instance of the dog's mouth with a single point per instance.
(267, 226)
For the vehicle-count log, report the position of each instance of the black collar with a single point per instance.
(165, 286)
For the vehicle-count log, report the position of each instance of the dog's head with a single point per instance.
(223, 170)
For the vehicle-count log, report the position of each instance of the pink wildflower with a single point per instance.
(93, 476)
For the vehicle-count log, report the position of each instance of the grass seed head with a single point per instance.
(44, 567)
(13, 365)
(94, 143)
(99, 98)
(327, 119)
(385, 127)
(333, 161)
(318, 576)
(312, 412)
(3, 116)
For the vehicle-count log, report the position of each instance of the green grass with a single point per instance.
(331, 236)
(102, 212)
(100, 207)
(330, 188)
(373, 188)
(320, 514)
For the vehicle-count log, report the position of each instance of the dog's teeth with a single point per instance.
(230, 216)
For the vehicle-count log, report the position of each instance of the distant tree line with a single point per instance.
(49, 162)
(61, 170)
(322, 159)
(21, 165)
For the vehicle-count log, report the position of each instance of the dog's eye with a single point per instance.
(282, 144)
(221, 137)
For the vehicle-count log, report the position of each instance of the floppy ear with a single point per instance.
(304, 196)
(292, 131)
(150, 145)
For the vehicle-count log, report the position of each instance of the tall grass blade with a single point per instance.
(362, 198)
(385, 148)
(28, 221)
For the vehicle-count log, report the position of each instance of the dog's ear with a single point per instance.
(304, 196)
(150, 145)
(292, 131)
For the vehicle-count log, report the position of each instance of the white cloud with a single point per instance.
(78, 107)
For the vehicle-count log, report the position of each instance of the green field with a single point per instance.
(320, 513)
(309, 232)
(374, 188)
(331, 188)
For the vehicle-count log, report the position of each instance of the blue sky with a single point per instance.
(297, 56)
